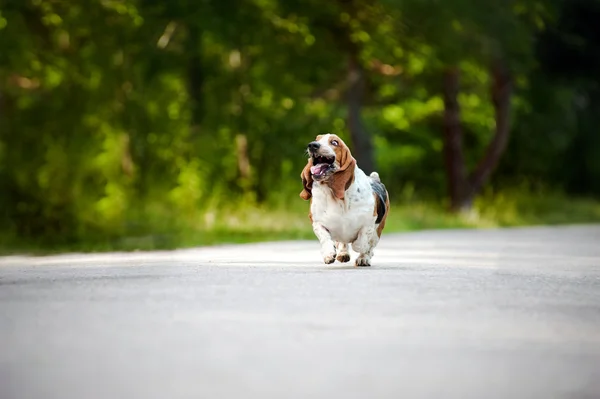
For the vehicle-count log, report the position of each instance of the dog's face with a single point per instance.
(329, 161)
(326, 153)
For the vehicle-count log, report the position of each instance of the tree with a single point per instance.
(119, 118)
(481, 33)
(463, 186)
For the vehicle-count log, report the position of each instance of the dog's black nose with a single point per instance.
(313, 146)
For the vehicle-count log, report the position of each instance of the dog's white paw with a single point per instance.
(328, 251)
(363, 260)
(329, 258)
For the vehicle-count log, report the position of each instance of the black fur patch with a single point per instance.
(380, 191)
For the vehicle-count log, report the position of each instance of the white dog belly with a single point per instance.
(345, 228)
(342, 218)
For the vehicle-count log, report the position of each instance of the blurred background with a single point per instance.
(140, 124)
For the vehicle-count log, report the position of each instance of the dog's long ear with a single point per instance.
(344, 176)
(307, 181)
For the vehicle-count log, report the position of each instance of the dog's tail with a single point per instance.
(375, 176)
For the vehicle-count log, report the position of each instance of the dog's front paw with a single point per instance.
(328, 252)
(343, 258)
(329, 258)
(363, 260)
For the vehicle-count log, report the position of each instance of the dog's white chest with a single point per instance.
(344, 218)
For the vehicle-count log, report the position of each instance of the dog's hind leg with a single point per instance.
(364, 244)
(343, 255)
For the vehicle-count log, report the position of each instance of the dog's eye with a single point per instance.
(335, 143)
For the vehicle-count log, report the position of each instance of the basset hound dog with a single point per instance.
(346, 205)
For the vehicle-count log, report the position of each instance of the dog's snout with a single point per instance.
(313, 146)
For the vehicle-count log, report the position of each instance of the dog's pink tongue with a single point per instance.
(315, 170)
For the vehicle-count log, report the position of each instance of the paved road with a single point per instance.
(447, 314)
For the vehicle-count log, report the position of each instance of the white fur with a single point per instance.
(349, 221)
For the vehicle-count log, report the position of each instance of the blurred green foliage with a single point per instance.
(124, 117)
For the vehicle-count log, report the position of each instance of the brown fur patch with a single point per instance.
(344, 176)
(387, 211)
(377, 201)
(307, 181)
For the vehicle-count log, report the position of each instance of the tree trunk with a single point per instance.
(453, 141)
(362, 145)
(463, 191)
(501, 91)
(243, 159)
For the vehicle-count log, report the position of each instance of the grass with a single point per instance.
(237, 225)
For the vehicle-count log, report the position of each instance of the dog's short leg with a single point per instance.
(364, 259)
(365, 242)
(342, 252)
(327, 244)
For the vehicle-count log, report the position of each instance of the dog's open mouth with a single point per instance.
(321, 165)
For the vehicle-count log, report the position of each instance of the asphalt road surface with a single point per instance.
(444, 314)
